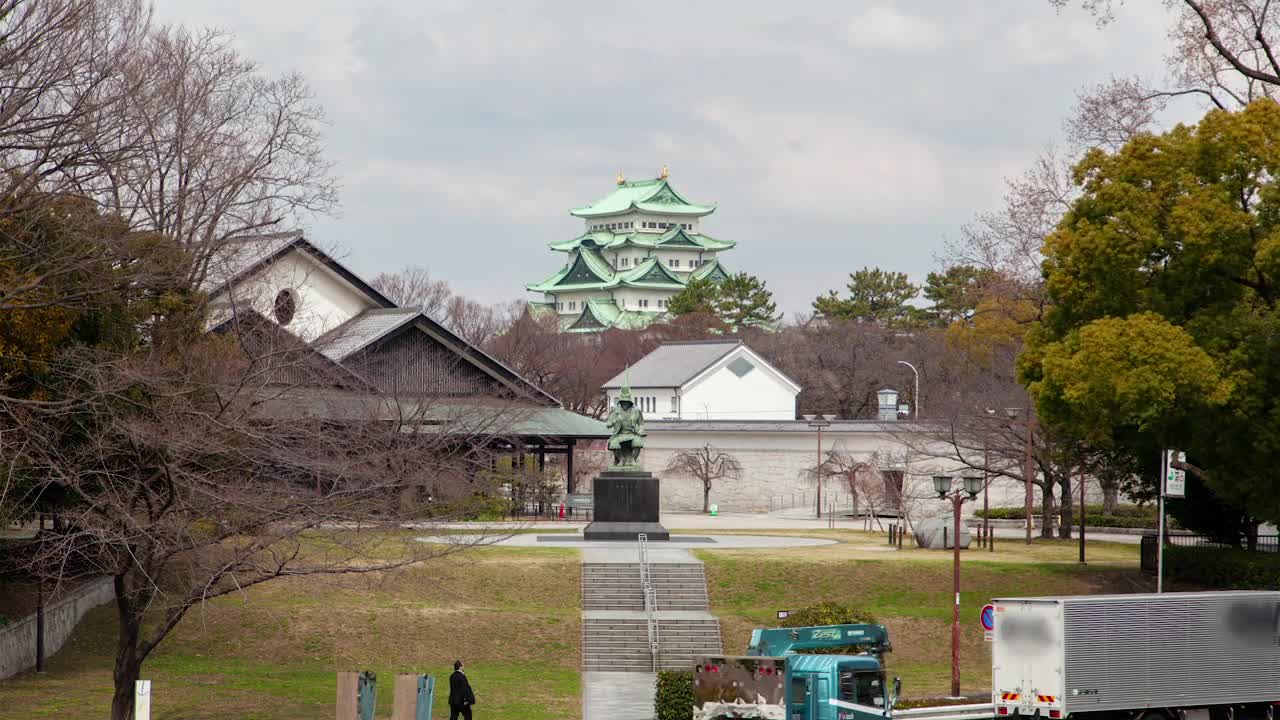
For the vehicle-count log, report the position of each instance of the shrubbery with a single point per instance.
(1229, 568)
(1126, 516)
(673, 699)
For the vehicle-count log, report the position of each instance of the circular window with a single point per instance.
(286, 306)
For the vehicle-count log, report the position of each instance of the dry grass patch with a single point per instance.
(272, 652)
(910, 592)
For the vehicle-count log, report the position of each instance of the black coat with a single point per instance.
(460, 690)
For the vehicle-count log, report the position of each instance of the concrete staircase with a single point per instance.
(615, 633)
(607, 586)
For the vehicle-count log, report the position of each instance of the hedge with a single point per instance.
(673, 699)
(1229, 568)
(1126, 516)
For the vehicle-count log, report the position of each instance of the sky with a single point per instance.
(832, 134)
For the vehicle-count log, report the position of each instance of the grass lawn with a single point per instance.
(513, 614)
(909, 591)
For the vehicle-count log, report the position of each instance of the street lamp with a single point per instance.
(819, 421)
(1030, 467)
(915, 398)
(942, 484)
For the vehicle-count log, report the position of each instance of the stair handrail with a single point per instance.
(650, 598)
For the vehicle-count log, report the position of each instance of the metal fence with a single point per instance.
(1266, 543)
(843, 502)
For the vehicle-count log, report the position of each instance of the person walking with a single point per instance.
(460, 696)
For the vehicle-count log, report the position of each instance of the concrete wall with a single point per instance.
(776, 465)
(18, 641)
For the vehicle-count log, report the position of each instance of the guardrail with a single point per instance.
(981, 711)
(650, 598)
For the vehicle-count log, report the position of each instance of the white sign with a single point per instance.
(1175, 481)
(989, 635)
(142, 700)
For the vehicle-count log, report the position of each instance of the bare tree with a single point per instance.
(708, 465)
(414, 287)
(223, 153)
(1222, 54)
(198, 468)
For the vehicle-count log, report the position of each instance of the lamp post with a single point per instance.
(942, 484)
(915, 397)
(986, 485)
(819, 421)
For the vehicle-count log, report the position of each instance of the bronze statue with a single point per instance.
(627, 423)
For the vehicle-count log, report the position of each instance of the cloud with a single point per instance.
(833, 164)
(1040, 42)
(887, 28)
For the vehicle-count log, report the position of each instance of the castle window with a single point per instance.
(573, 304)
(644, 303)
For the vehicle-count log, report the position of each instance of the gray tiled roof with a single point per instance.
(361, 331)
(675, 363)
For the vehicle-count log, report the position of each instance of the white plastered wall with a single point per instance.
(719, 394)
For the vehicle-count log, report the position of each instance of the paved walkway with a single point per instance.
(610, 551)
(617, 695)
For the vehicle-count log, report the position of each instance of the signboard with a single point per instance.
(988, 618)
(784, 614)
(1175, 481)
(581, 502)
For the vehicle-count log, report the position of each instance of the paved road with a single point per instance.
(794, 519)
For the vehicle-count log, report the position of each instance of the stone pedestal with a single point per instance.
(625, 505)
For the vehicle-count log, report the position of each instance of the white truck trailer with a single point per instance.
(1165, 657)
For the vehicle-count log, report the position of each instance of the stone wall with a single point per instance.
(777, 471)
(18, 640)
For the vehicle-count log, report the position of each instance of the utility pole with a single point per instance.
(819, 421)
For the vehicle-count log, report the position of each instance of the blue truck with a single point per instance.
(775, 681)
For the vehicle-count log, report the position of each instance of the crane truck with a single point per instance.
(773, 682)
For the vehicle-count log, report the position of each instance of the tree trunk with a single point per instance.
(1046, 509)
(706, 496)
(1110, 497)
(1065, 505)
(128, 666)
(1251, 534)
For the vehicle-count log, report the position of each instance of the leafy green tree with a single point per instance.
(875, 296)
(956, 293)
(698, 296)
(739, 301)
(1163, 329)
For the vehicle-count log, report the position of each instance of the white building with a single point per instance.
(708, 380)
(721, 393)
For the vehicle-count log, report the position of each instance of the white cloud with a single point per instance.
(887, 28)
(1050, 42)
(831, 164)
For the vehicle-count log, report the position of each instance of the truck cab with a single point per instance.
(775, 680)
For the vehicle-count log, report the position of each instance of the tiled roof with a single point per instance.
(362, 331)
(674, 364)
(656, 196)
(780, 426)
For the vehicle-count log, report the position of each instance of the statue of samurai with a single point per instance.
(627, 423)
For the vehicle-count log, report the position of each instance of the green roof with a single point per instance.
(601, 313)
(650, 274)
(589, 271)
(655, 196)
(713, 270)
(674, 237)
